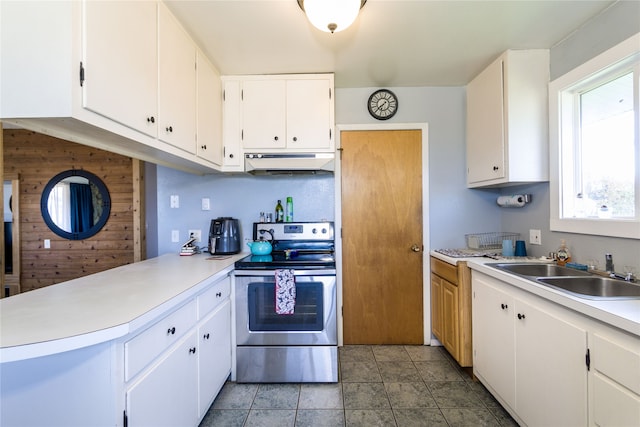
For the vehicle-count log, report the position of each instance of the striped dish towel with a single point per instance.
(285, 291)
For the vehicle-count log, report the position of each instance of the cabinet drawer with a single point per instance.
(617, 357)
(445, 270)
(212, 297)
(142, 349)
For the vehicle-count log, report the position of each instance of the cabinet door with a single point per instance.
(263, 114)
(550, 368)
(494, 338)
(231, 127)
(215, 355)
(121, 63)
(168, 394)
(309, 114)
(177, 83)
(436, 307)
(209, 112)
(450, 323)
(485, 125)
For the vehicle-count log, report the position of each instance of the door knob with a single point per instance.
(415, 248)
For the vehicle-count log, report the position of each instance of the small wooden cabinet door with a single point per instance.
(263, 114)
(436, 307)
(209, 110)
(177, 83)
(120, 59)
(450, 311)
(309, 114)
(494, 338)
(551, 371)
(485, 125)
(215, 355)
(168, 394)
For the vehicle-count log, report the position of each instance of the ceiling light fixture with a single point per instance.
(331, 15)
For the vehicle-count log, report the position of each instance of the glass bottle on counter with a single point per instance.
(279, 212)
(289, 211)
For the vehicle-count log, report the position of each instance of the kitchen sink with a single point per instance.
(539, 270)
(594, 287)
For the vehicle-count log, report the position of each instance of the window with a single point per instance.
(595, 149)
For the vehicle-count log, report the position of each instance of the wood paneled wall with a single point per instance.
(36, 158)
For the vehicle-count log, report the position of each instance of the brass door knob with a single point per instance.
(415, 248)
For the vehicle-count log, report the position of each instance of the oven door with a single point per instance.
(314, 318)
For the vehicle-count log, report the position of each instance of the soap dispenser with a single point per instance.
(563, 253)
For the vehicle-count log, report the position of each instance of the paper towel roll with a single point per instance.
(514, 201)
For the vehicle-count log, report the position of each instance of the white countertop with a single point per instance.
(102, 306)
(623, 314)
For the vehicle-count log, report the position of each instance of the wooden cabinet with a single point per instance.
(284, 112)
(530, 353)
(209, 112)
(507, 121)
(451, 308)
(131, 91)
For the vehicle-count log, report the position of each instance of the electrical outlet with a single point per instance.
(535, 237)
(175, 201)
(197, 234)
(175, 236)
(206, 204)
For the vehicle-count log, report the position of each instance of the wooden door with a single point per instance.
(381, 222)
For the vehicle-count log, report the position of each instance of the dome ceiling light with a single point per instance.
(331, 15)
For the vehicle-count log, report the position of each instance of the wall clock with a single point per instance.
(383, 104)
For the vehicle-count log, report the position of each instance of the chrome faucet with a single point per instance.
(608, 259)
(629, 277)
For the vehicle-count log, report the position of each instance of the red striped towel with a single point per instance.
(285, 291)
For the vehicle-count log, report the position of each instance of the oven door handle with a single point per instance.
(269, 272)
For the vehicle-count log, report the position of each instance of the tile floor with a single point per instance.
(379, 386)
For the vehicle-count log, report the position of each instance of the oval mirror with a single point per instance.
(75, 204)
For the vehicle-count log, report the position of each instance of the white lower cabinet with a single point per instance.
(214, 360)
(614, 381)
(167, 394)
(182, 379)
(530, 354)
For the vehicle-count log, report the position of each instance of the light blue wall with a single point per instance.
(238, 196)
(608, 29)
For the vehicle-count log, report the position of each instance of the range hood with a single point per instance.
(289, 163)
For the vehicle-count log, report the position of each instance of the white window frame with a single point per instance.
(561, 142)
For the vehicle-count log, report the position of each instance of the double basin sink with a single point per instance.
(576, 282)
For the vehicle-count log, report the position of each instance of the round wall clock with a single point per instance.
(383, 104)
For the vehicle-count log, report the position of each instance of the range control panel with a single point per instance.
(293, 230)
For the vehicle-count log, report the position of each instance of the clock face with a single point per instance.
(382, 104)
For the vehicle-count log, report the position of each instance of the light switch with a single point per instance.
(175, 201)
(47, 244)
(175, 236)
(206, 204)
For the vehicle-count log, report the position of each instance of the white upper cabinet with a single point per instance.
(507, 121)
(231, 128)
(120, 77)
(209, 111)
(116, 75)
(176, 83)
(287, 112)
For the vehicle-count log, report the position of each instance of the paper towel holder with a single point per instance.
(514, 200)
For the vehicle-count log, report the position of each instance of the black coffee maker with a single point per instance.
(224, 236)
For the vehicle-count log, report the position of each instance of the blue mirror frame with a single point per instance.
(105, 202)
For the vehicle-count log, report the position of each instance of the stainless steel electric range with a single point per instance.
(301, 346)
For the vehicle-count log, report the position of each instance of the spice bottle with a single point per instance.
(279, 212)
